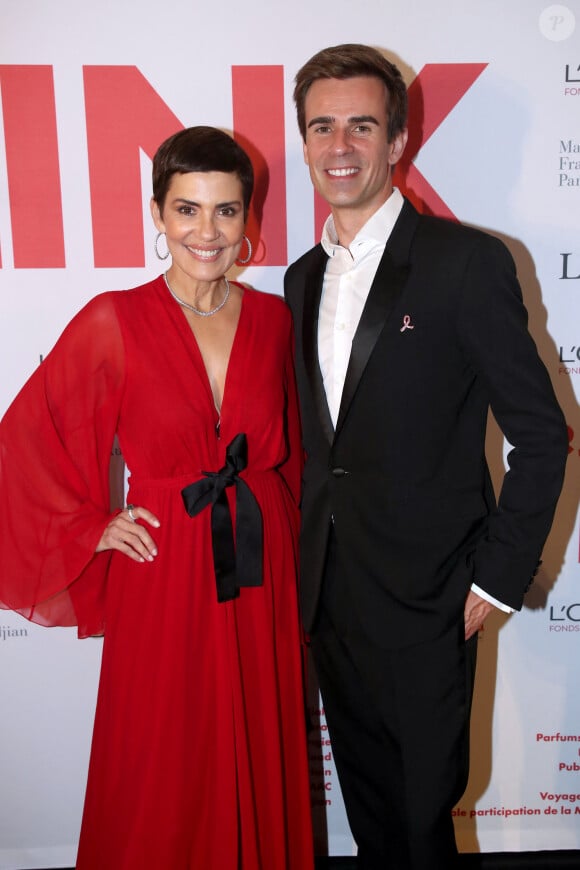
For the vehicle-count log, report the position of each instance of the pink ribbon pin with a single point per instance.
(406, 323)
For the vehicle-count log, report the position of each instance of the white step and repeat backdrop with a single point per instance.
(87, 93)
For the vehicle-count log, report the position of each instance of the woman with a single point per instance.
(198, 757)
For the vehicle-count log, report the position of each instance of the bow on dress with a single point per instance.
(238, 564)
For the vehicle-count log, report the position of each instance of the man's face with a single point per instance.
(346, 148)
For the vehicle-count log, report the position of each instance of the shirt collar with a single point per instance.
(376, 231)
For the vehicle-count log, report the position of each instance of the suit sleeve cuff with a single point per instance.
(486, 597)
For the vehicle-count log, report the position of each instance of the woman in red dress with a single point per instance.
(199, 751)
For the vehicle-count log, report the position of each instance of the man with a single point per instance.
(407, 329)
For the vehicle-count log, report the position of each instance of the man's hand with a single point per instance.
(476, 609)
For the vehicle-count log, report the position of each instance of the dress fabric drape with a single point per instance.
(198, 757)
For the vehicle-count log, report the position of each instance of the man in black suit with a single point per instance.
(408, 328)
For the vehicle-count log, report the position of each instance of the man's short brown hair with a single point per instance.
(346, 62)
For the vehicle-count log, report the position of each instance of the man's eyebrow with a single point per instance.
(322, 119)
(354, 119)
(363, 119)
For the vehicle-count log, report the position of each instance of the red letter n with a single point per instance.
(124, 114)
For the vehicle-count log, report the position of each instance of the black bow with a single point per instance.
(240, 564)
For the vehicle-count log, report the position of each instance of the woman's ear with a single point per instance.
(156, 215)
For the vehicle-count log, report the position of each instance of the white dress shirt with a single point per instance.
(346, 285)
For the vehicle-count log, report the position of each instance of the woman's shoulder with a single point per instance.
(118, 306)
(269, 303)
(270, 311)
(99, 319)
(142, 294)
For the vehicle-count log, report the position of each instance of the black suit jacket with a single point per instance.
(442, 337)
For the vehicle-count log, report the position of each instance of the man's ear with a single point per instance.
(397, 146)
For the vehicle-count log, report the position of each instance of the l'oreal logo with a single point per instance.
(565, 612)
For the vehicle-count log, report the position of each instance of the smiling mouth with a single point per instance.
(204, 254)
(343, 173)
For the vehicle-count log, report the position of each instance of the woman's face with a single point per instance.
(203, 219)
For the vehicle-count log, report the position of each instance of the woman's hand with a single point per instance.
(128, 536)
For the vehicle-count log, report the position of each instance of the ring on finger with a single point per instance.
(130, 509)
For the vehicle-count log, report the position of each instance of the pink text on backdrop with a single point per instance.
(125, 115)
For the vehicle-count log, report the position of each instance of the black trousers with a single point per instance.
(399, 724)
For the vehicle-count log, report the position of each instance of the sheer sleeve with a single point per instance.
(55, 448)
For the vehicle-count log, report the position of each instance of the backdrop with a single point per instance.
(88, 91)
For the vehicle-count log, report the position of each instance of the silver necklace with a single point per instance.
(195, 310)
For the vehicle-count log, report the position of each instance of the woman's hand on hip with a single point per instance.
(130, 537)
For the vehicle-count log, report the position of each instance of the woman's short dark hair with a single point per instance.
(200, 149)
(346, 62)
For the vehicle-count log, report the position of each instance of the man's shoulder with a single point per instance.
(440, 229)
(306, 260)
(441, 240)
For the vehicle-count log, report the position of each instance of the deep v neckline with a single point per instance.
(193, 343)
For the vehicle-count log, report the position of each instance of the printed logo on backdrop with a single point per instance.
(9, 633)
(323, 775)
(572, 80)
(570, 270)
(30, 116)
(569, 163)
(564, 617)
(558, 23)
(566, 758)
(569, 359)
(556, 803)
(126, 116)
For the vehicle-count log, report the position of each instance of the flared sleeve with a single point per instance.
(55, 448)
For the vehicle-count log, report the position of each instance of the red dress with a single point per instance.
(199, 752)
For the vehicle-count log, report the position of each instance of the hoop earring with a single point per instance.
(157, 254)
(249, 256)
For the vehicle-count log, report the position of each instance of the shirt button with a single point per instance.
(339, 472)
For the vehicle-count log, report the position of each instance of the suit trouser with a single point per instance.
(399, 725)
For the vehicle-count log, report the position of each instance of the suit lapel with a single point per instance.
(387, 286)
(313, 283)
